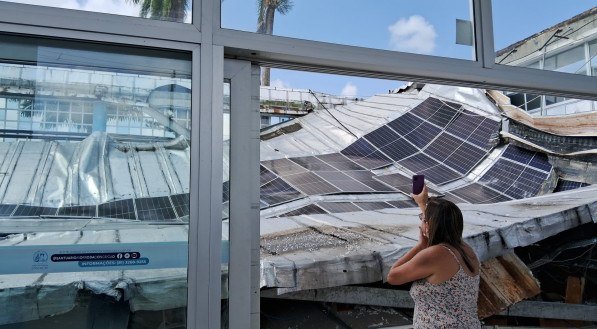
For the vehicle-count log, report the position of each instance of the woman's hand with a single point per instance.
(423, 237)
(421, 198)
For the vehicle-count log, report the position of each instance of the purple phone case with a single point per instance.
(418, 183)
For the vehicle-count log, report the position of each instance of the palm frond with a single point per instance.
(284, 6)
(156, 9)
(261, 10)
(144, 11)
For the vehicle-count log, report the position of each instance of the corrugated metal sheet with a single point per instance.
(94, 171)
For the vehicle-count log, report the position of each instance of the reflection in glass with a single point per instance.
(593, 56)
(165, 10)
(94, 142)
(226, 203)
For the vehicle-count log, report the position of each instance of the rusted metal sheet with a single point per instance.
(505, 280)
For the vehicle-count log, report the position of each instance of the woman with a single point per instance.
(445, 269)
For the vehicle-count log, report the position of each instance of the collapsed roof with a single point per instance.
(335, 185)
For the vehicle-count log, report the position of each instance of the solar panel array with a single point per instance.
(166, 208)
(438, 139)
(517, 174)
(341, 207)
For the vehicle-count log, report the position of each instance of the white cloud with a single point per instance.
(349, 90)
(277, 83)
(413, 34)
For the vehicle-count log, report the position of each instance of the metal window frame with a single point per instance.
(244, 195)
(209, 44)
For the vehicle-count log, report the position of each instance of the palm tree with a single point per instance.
(168, 10)
(265, 23)
(176, 11)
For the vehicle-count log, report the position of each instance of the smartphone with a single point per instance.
(418, 183)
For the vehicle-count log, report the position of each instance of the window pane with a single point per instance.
(174, 11)
(225, 204)
(554, 37)
(422, 27)
(95, 209)
(570, 61)
(593, 55)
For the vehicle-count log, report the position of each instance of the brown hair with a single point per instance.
(445, 223)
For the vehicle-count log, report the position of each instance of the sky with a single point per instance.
(421, 26)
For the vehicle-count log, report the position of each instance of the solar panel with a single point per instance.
(266, 175)
(418, 162)
(181, 203)
(566, 185)
(365, 154)
(444, 115)
(366, 177)
(486, 135)
(528, 184)
(423, 135)
(502, 175)
(442, 147)
(7, 209)
(405, 124)
(518, 154)
(477, 193)
(339, 161)
(381, 136)
(338, 207)
(373, 205)
(403, 203)
(80, 211)
(465, 158)
(399, 149)
(533, 159)
(306, 210)
(464, 124)
(278, 191)
(313, 164)
(397, 181)
(283, 167)
(440, 174)
(154, 209)
(310, 184)
(343, 182)
(540, 162)
(23, 210)
(117, 209)
(427, 108)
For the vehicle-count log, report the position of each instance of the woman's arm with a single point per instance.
(422, 244)
(421, 200)
(420, 266)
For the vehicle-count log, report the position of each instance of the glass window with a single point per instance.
(423, 27)
(175, 11)
(570, 61)
(593, 57)
(101, 158)
(526, 31)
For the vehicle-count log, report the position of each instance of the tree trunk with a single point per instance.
(268, 28)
